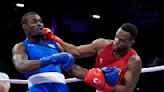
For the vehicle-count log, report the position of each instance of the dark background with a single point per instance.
(72, 21)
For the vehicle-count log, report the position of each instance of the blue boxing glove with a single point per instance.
(111, 75)
(65, 59)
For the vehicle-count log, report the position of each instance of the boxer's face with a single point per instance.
(122, 40)
(34, 22)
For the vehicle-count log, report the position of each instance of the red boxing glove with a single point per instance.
(95, 78)
(49, 35)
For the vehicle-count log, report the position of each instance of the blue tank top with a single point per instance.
(35, 51)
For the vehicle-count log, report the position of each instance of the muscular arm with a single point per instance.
(72, 49)
(20, 60)
(95, 47)
(87, 49)
(77, 71)
(131, 76)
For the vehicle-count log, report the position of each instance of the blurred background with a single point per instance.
(73, 21)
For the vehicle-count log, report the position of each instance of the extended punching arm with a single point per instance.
(49, 35)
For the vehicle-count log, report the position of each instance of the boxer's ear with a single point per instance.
(24, 26)
(133, 42)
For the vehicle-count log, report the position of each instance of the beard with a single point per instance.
(38, 36)
(119, 50)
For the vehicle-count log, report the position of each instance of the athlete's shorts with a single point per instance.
(47, 82)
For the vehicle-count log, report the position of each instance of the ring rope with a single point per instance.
(70, 80)
(19, 81)
(152, 69)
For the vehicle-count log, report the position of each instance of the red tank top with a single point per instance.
(106, 59)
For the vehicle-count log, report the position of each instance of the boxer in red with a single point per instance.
(117, 53)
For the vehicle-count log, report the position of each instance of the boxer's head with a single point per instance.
(125, 37)
(32, 25)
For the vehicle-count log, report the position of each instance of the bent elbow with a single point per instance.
(130, 89)
(21, 69)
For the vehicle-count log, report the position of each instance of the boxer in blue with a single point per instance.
(40, 60)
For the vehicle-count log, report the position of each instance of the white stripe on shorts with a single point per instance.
(47, 77)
